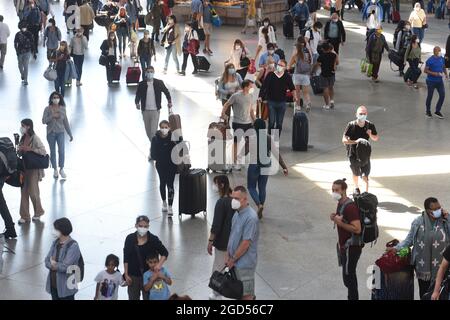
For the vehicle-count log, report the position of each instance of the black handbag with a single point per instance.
(201, 34)
(103, 60)
(32, 160)
(227, 284)
(15, 179)
(244, 62)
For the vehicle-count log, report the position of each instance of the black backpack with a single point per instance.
(400, 26)
(8, 157)
(80, 262)
(363, 151)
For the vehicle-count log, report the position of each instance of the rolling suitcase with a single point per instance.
(288, 26)
(175, 127)
(116, 72)
(395, 286)
(315, 85)
(300, 132)
(133, 74)
(192, 192)
(220, 144)
(141, 21)
(202, 63)
(396, 17)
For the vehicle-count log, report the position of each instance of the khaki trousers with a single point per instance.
(30, 190)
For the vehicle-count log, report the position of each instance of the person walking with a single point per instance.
(109, 50)
(146, 50)
(436, 71)
(335, 32)
(328, 60)
(375, 48)
(413, 55)
(148, 100)
(191, 45)
(172, 42)
(301, 14)
(123, 24)
(4, 35)
(79, 45)
(55, 117)
(52, 37)
(87, 16)
(418, 20)
(239, 57)
(32, 16)
(23, 43)
(60, 58)
(207, 26)
(10, 231)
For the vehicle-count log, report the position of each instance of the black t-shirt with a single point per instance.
(446, 254)
(327, 60)
(355, 132)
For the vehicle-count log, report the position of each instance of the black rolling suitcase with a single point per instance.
(395, 286)
(288, 26)
(315, 85)
(300, 132)
(192, 192)
(202, 63)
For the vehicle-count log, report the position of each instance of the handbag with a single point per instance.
(102, 20)
(244, 62)
(103, 60)
(226, 283)
(193, 46)
(50, 73)
(363, 65)
(262, 111)
(201, 34)
(32, 160)
(390, 261)
(369, 69)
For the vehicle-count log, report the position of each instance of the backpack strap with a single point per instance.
(344, 205)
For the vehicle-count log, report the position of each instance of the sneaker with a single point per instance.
(326, 107)
(182, 73)
(260, 211)
(205, 51)
(164, 206)
(170, 212)
(79, 84)
(35, 219)
(210, 52)
(55, 174)
(62, 173)
(213, 296)
(22, 221)
(25, 82)
(10, 233)
(331, 104)
(236, 167)
(428, 115)
(308, 107)
(165, 71)
(416, 86)
(195, 72)
(439, 115)
(357, 191)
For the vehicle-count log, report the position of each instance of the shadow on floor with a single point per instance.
(398, 207)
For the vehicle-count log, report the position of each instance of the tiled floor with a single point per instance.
(110, 181)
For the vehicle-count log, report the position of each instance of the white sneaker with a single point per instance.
(170, 212)
(79, 84)
(236, 167)
(164, 206)
(55, 173)
(308, 107)
(63, 174)
(326, 107)
(22, 221)
(36, 218)
(213, 296)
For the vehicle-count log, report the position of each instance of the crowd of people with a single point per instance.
(235, 228)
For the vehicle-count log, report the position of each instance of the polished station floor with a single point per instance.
(109, 181)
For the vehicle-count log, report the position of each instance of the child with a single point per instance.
(108, 280)
(156, 284)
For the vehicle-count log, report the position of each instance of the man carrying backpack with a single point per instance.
(32, 15)
(23, 43)
(356, 137)
(402, 38)
(347, 220)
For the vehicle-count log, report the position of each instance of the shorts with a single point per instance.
(327, 82)
(301, 79)
(207, 27)
(359, 170)
(247, 276)
(237, 126)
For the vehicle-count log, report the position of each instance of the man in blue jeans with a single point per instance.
(274, 91)
(435, 69)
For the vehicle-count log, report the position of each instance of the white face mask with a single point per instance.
(23, 130)
(50, 24)
(56, 233)
(251, 91)
(437, 213)
(336, 196)
(272, 65)
(362, 117)
(237, 47)
(142, 231)
(215, 188)
(335, 20)
(266, 24)
(170, 21)
(55, 101)
(280, 69)
(23, 29)
(235, 205)
(271, 52)
(165, 131)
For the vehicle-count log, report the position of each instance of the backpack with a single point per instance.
(8, 156)
(311, 33)
(80, 262)
(400, 26)
(363, 151)
(367, 204)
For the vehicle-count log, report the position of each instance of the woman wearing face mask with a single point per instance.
(270, 31)
(191, 44)
(52, 37)
(109, 49)
(264, 71)
(161, 151)
(221, 226)
(413, 55)
(429, 236)
(303, 61)
(60, 57)
(157, 16)
(79, 45)
(64, 253)
(55, 117)
(264, 40)
(229, 83)
(139, 245)
(239, 54)
(258, 173)
(145, 50)
(123, 24)
(172, 42)
(30, 142)
(418, 20)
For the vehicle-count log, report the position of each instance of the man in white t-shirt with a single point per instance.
(312, 38)
(4, 34)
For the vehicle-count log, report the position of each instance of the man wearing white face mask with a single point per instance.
(269, 53)
(356, 132)
(429, 236)
(347, 220)
(139, 245)
(148, 99)
(243, 242)
(335, 32)
(243, 104)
